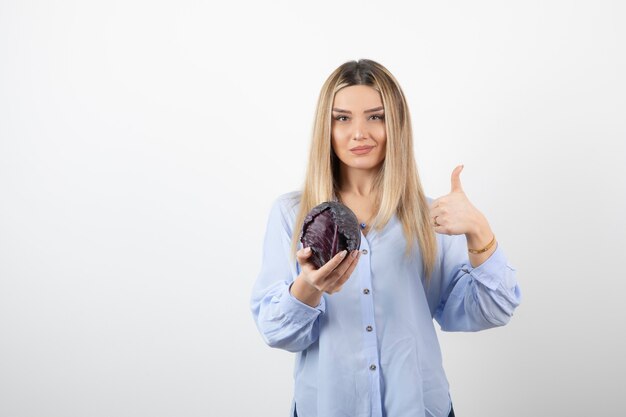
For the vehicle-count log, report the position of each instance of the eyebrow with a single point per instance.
(366, 111)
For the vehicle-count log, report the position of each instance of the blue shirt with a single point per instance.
(371, 350)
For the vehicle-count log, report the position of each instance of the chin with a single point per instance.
(360, 162)
(364, 165)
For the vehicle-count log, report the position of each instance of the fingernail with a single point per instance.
(355, 253)
(343, 253)
(307, 249)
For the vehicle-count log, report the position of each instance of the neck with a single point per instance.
(356, 182)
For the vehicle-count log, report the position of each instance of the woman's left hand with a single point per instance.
(453, 214)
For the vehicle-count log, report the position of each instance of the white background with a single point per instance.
(142, 143)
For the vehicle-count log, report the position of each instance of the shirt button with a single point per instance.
(372, 367)
(366, 291)
(369, 328)
(364, 251)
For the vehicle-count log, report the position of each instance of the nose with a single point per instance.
(359, 131)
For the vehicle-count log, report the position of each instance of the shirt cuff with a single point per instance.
(492, 272)
(297, 310)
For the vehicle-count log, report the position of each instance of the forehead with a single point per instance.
(357, 98)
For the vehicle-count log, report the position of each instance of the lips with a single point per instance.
(361, 150)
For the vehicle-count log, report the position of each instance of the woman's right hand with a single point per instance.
(312, 283)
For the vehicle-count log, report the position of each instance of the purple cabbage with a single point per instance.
(328, 229)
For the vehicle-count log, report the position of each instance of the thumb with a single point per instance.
(456, 179)
(304, 253)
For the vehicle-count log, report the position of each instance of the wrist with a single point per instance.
(305, 292)
(480, 236)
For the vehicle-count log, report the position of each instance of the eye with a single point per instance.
(377, 117)
(341, 118)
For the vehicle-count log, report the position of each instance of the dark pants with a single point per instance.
(295, 414)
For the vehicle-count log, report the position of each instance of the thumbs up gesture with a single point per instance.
(453, 214)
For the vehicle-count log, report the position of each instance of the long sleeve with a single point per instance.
(283, 320)
(475, 298)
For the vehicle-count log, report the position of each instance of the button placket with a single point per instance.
(370, 340)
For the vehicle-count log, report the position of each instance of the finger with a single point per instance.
(440, 220)
(333, 290)
(443, 226)
(436, 211)
(435, 203)
(330, 266)
(440, 223)
(337, 281)
(440, 231)
(436, 221)
(439, 203)
(456, 179)
(353, 258)
(303, 255)
(341, 279)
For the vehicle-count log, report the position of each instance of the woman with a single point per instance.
(362, 324)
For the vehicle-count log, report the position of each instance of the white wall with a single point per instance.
(142, 142)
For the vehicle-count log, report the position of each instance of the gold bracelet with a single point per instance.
(485, 249)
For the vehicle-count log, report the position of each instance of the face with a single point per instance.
(358, 127)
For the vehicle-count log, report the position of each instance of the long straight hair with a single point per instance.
(397, 188)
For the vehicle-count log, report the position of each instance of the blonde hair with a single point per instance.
(397, 188)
